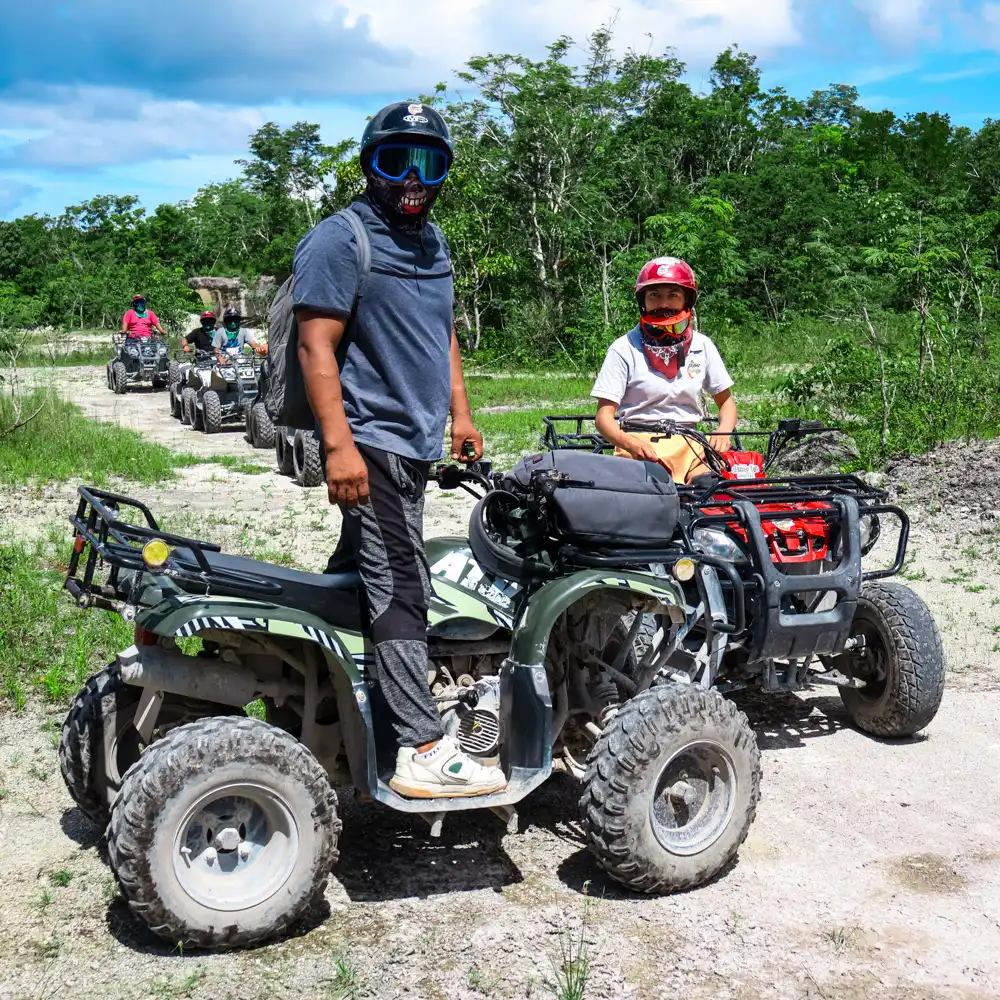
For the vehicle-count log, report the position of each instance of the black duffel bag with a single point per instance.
(603, 500)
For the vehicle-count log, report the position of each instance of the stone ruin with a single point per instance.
(252, 300)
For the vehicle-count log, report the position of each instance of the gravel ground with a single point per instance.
(873, 869)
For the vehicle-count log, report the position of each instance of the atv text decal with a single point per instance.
(461, 568)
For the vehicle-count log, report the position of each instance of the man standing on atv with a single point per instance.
(202, 336)
(139, 321)
(232, 337)
(658, 372)
(382, 370)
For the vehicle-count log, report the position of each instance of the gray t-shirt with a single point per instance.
(395, 358)
(221, 338)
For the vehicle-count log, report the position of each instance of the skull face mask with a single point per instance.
(404, 204)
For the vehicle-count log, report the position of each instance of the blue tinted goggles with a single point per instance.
(394, 162)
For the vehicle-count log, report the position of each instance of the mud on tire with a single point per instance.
(188, 406)
(307, 463)
(261, 427)
(266, 788)
(119, 378)
(671, 789)
(99, 742)
(903, 662)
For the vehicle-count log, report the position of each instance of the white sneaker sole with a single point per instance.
(432, 790)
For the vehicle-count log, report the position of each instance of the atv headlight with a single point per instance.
(714, 542)
(132, 352)
(155, 553)
(162, 349)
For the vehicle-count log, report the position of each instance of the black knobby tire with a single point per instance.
(262, 430)
(159, 809)
(175, 401)
(283, 453)
(246, 414)
(308, 466)
(107, 372)
(174, 372)
(119, 378)
(99, 742)
(639, 834)
(211, 412)
(903, 639)
(188, 406)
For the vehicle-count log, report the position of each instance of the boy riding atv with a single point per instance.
(232, 338)
(658, 371)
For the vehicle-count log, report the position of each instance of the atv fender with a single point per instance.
(185, 615)
(531, 632)
(345, 652)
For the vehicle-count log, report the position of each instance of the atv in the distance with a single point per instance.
(787, 555)
(137, 360)
(227, 393)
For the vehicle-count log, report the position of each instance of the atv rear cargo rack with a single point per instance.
(101, 531)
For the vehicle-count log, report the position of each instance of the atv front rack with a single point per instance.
(103, 536)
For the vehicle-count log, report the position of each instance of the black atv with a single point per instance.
(137, 360)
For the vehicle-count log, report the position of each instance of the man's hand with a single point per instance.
(187, 347)
(462, 430)
(346, 476)
(719, 442)
(639, 448)
(260, 348)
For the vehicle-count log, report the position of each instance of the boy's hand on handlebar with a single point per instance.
(346, 476)
(641, 449)
(466, 441)
(719, 442)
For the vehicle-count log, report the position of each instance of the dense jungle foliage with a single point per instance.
(794, 211)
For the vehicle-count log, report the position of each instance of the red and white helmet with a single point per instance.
(667, 271)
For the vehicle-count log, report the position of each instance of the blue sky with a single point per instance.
(157, 98)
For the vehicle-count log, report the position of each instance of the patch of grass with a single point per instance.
(241, 465)
(976, 588)
(61, 443)
(841, 938)
(168, 989)
(45, 899)
(479, 982)
(256, 710)
(62, 878)
(345, 983)
(530, 390)
(47, 645)
(90, 356)
(572, 965)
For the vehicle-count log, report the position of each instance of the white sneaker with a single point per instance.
(443, 772)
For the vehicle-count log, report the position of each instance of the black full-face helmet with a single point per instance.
(404, 122)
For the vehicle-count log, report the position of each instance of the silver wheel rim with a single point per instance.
(694, 798)
(236, 846)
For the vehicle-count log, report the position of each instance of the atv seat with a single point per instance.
(331, 597)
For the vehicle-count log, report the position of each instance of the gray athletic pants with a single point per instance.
(385, 540)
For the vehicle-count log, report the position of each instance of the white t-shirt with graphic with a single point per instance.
(643, 393)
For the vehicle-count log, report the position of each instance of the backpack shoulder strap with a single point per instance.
(364, 249)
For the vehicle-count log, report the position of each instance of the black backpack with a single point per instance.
(285, 396)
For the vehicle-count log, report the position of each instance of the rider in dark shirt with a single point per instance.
(201, 337)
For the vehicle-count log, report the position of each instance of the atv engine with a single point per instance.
(469, 704)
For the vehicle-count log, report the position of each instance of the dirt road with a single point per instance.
(873, 869)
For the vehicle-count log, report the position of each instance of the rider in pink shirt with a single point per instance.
(140, 321)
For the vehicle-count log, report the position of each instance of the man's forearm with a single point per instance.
(321, 375)
(459, 396)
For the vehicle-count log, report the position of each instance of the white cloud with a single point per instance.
(444, 33)
(903, 22)
(87, 127)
